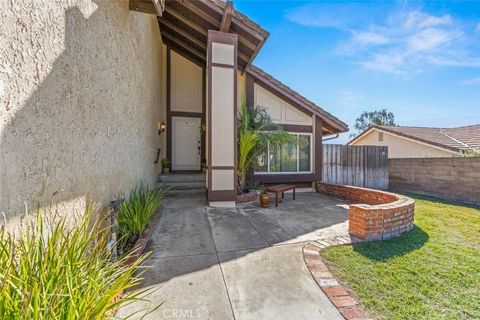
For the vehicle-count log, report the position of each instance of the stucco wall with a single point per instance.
(401, 148)
(80, 98)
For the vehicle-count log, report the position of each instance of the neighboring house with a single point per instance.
(420, 142)
(84, 102)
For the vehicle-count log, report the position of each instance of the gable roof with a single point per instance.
(454, 139)
(333, 122)
(184, 26)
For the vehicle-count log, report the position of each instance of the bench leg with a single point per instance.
(276, 199)
(283, 195)
(293, 193)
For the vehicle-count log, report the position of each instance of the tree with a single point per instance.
(377, 117)
(255, 129)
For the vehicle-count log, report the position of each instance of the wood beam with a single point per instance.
(184, 53)
(227, 17)
(159, 6)
(154, 7)
(188, 4)
(188, 36)
(177, 15)
(186, 46)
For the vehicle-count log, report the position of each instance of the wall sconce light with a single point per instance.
(161, 127)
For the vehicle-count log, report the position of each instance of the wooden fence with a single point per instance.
(360, 166)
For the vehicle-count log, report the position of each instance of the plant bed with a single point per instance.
(249, 196)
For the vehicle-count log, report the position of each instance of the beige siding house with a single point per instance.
(88, 87)
(420, 142)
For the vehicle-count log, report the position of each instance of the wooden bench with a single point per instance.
(281, 188)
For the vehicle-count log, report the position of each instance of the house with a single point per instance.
(421, 142)
(91, 103)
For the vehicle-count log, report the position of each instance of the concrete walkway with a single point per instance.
(243, 263)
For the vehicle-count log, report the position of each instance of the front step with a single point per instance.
(187, 193)
(181, 177)
(184, 185)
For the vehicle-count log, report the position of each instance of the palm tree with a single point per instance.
(255, 129)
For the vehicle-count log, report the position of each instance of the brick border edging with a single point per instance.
(139, 249)
(345, 303)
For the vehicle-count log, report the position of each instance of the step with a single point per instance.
(185, 185)
(187, 193)
(181, 177)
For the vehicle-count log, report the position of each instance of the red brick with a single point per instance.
(343, 301)
(353, 313)
(335, 292)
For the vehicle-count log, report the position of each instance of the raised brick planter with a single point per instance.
(247, 197)
(373, 214)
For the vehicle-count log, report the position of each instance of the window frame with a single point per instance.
(268, 172)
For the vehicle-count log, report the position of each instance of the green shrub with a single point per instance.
(136, 211)
(53, 271)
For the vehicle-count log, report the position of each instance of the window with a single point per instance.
(380, 136)
(289, 157)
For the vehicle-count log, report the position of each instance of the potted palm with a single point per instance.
(264, 198)
(165, 166)
(255, 130)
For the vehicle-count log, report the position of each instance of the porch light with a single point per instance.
(161, 127)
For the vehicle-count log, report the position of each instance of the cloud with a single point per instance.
(418, 19)
(397, 40)
(369, 37)
(340, 15)
(471, 81)
(430, 39)
(412, 43)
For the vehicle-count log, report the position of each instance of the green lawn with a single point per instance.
(432, 272)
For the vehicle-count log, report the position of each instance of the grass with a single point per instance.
(432, 272)
(55, 271)
(136, 212)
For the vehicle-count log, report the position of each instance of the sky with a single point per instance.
(419, 60)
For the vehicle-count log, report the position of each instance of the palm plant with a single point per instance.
(255, 129)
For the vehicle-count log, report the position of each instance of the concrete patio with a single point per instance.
(242, 263)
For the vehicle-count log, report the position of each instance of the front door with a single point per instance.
(186, 143)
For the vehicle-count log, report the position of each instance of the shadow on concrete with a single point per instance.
(191, 236)
(395, 247)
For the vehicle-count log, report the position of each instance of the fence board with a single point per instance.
(361, 166)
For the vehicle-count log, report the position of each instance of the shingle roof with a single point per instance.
(307, 104)
(455, 139)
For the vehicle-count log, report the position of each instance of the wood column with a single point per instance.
(222, 118)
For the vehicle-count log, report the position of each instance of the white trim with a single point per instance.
(298, 160)
(354, 141)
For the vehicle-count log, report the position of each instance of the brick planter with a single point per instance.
(373, 214)
(139, 248)
(247, 197)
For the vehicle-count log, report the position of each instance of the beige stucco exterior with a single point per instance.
(80, 97)
(400, 147)
(279, 110)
